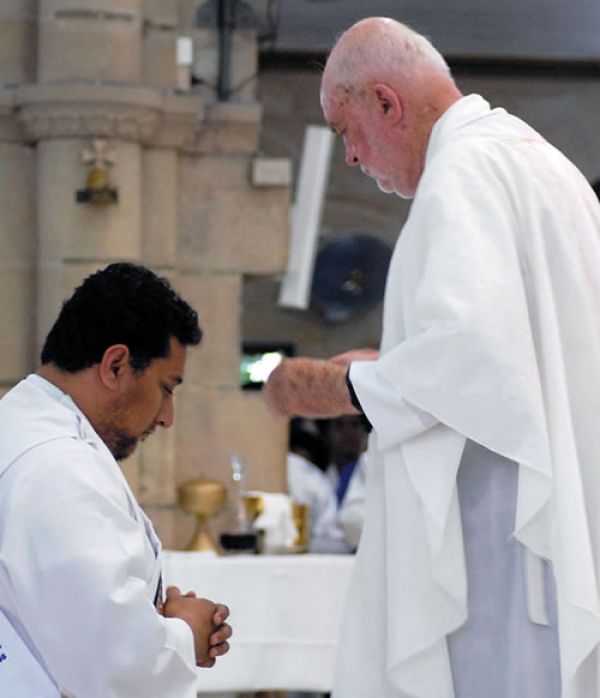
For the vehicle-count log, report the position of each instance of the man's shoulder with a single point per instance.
(29, 417)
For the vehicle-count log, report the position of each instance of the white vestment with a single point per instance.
(490, 338)
(79, 564)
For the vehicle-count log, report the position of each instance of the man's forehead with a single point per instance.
(174, 363)
(334, 104)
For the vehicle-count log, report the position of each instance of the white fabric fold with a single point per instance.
(379, 396)
(20, 672)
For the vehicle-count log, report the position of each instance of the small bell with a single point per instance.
(98, 189)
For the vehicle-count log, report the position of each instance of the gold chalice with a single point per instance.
(203, 498)
(301, 518)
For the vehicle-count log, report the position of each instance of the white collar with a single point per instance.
(462, 112)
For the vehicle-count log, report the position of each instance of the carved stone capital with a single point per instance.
(88, 111)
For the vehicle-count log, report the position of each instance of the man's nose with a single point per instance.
(166, 416)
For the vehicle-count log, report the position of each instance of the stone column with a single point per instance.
(85, 93)
(17, 201)
(76, 238)
(87, 89)
(17, 251)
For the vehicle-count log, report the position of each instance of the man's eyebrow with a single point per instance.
(177, 379)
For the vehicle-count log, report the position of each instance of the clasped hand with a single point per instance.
(207, 621)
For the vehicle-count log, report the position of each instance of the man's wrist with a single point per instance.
(356, 402)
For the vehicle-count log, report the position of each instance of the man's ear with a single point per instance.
(388, 103)
(114, 366)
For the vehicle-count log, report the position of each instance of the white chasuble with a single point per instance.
(491, 339)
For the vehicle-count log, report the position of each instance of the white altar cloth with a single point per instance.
(285, 613)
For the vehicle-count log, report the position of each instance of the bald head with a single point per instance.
(384, 86)
(382, 49)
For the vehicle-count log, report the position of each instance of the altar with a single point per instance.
(285, 614)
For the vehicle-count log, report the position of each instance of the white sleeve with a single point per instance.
(79, 576)
(394, 420)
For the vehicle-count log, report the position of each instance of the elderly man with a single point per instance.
(81, 604)
(478, 569)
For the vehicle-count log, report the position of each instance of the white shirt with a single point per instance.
(491, 333)
(351, 511)
(79, 560)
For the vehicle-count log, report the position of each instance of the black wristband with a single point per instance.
(356, 402)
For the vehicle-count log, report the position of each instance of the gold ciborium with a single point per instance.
(203, 498)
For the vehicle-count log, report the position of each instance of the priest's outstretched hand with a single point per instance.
(308, 388)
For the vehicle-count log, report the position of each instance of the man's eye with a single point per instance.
(167, 390)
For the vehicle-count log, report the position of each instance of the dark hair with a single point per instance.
(308, 442)
(121, 304)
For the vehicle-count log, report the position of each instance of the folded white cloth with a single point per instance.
(276, 521)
